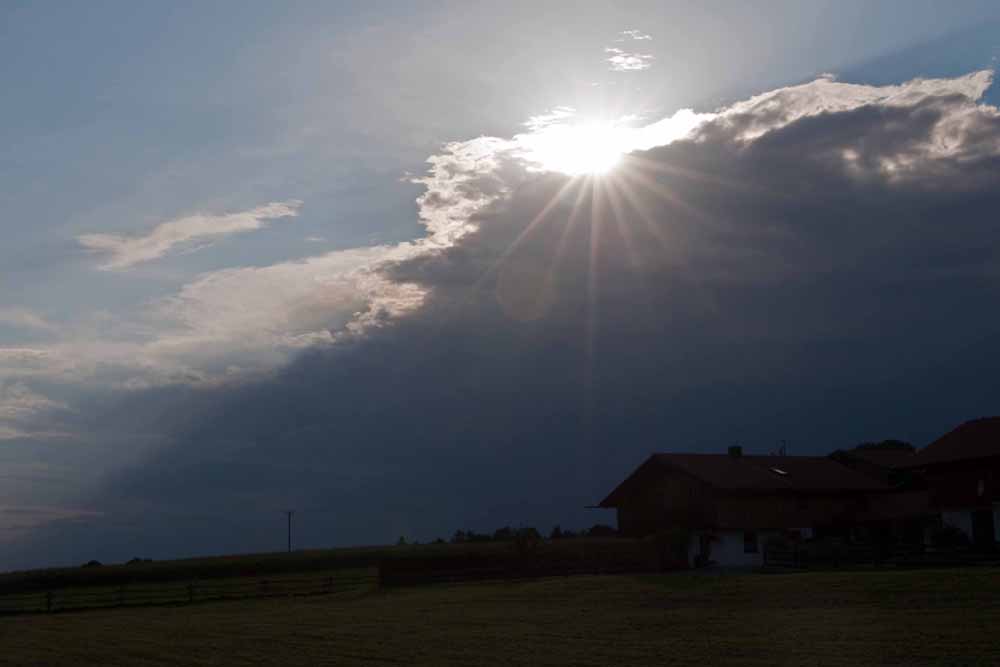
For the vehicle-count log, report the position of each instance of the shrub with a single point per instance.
(601, 530)
(947, 535)
(672, 547)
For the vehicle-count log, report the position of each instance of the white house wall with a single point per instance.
(727, 549)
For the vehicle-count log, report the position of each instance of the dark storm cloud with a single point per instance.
(821, 277)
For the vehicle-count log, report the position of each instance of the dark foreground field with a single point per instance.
(948, 617)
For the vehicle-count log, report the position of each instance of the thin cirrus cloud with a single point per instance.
(123, 252)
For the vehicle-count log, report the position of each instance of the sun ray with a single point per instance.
(564, 236)
(663, 192)
(639, 206)
(610, 188)
(674, 170)
(593, 297)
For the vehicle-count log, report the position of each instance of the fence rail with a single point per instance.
(406, 574)
(806, 556)
(136, 595)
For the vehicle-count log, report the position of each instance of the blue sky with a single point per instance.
(195, 195)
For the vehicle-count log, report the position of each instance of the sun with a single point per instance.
(576, 149)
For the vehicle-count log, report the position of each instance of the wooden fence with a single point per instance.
(415, 572)
(136, 595)
(842, 555)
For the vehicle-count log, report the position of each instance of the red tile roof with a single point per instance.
(976, 439)
(811, 474)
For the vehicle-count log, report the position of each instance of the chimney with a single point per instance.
(736, 451)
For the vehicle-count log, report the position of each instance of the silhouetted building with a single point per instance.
(962, 472)
(731, 503)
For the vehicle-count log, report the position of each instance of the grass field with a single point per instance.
(947, 617)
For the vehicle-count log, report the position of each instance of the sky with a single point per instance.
(408, 268)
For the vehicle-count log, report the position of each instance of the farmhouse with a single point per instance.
(962, 472)
(731, 504)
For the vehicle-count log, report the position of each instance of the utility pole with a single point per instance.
(289, 513)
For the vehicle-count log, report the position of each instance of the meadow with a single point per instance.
(888, 617)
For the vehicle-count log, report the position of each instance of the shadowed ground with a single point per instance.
(856, 618)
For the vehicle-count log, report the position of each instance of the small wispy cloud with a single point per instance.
(21, 355)
(20, 407)
(633, 35)
(315, 239)
(126, 251)
(18, 519)
(23, 318)
(628, 61)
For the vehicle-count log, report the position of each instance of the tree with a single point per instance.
(503, 534)
(887, 445)
(526, 541)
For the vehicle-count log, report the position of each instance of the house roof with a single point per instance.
(811, 474)
(976, 439)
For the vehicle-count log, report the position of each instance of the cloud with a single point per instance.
(17, 520)
(635, 35)
(25, 319)
(954, 98)
(123, 252)
(21, 411)
(621, 60)
(259, 317)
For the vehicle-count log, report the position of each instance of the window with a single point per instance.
(749, 542)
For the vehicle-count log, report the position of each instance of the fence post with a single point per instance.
(121, 595)
(191, 592)
(48, 600)
(329, 584)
